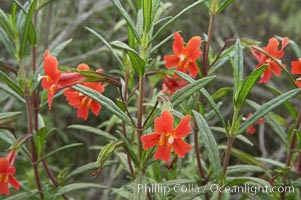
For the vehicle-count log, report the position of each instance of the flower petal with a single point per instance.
(275, 68)
(266, 76)
(183, 129)
(95, 107)
(82, 112)
(50, 66)
(150, 140)
(193, 69)
(13, 181)
(180, 147)
(296, 67)
(171, 61)
(178, 44)
(163, 152)
(4, 188)
(193, 48)
(83, 66)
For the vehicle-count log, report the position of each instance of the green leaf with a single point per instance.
(26, 29)
(61, 149)
(93, 130)
(7, 43)
(104, 101)
(236, 169)
(106, 152)
(182, 94)
(223, 4)
(246, 87)
(127, 18)
(147, 15)
(137, 194)
(176, 17)
(207, 96)
(11, 92)
(238, 68)
(209, 143)
(274, 124)
(234, 181)
(6, 115)
(271, 162)
(287, 104)
(39, 140)
(60, 47)
(137, 62)
(223, 58)
(77, 186)
(108, 45)
(81, 169)
(10, 83)
(224, 91)
(21, 196)
(267, 107)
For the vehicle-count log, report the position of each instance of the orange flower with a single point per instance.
(272, 49)
(184, 58)
(251, 129)
(167, 137)
(171, 85)
(7, 172)
(296, 69)
(54, 79)
(81, 102)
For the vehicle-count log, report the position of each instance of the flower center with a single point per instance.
(166, 139)
(171, 139)
(182, 57)
(87, 101)
(3, 178)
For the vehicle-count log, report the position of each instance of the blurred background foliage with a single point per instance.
(62, 20)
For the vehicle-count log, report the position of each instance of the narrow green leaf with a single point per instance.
(60, 47)
(7, 43)
(138, 63)
(176, 17)
(267, 107)
(106, 152)
(108, 45)
(147, 15)
(77, 186)
(245, 140)
(234, 181)
(22, 196)
(237, 67)
(129, 149)
(81, 169)
(222, 92)
(104, 101)
(236, 169)
(137, 194)
(46, 3)
(127, 18)
(11, 92)
(274, 124)
(61, 149)
(223, 4)
(11, 83)
(26, 28)
(223, 58)
(271, 162)
(287, 104)
(246, 87)
(207, 96)
(182, 94)
(93, 130)
(209, 143)
(6, 115)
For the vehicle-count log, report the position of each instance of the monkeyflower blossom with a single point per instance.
(81, 102)
(251, 129)
(272, 66)
(296, 69)
(7, 171)
(168, 138)
(54, 79)
(184, 57)
(171, 85)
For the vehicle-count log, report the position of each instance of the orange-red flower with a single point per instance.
(81, 102)
(171, 85)
(7, 171)
(251, 129)
(167, 138)
(296, 69)
(184, 57)
(272, 66)
(54, 79)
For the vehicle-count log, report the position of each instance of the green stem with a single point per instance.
(140, 115)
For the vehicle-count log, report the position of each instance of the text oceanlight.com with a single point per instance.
(191, 188)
